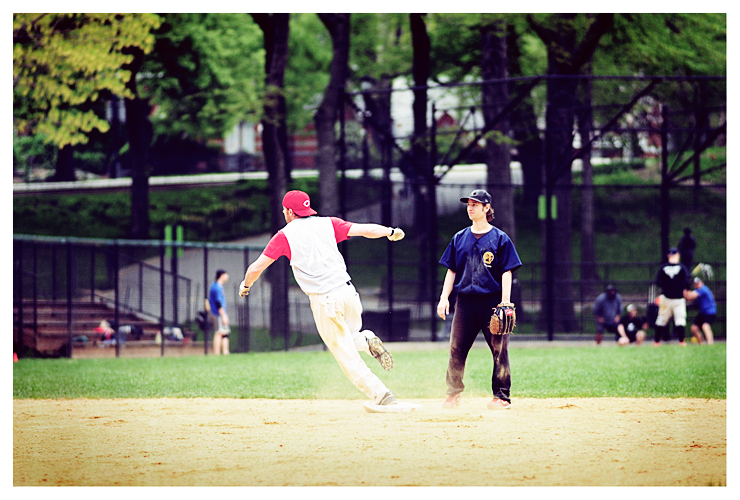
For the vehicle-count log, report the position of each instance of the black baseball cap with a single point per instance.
(673, 251)
(479, 195)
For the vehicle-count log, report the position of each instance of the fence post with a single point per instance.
(53, 272)
(344, 246)
(549, 251)
(162, 277)
(92, 273)
(116, 315)
(207, 294)
(141, 286)
(247, 330)
(433, 229)
(387, 220)
(175, 298)
(34, 254)
(69, 298)
(665, 195)
(18, 254)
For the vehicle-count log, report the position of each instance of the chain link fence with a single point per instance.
(660, 139)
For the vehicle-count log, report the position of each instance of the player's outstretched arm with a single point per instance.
(374, 231)
(254, 271)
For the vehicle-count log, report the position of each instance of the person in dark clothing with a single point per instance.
(631, 328)
(686, 247)
(480, 261)
(672, 278)
(607, 311)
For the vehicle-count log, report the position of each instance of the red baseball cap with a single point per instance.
(299, 203)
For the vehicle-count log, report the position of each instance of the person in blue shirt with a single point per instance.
(480, 261)
(704, 298)
(219, 317)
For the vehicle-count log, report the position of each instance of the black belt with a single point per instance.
(349, 283)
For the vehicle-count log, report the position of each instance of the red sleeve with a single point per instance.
(341, 228)
(277, 246)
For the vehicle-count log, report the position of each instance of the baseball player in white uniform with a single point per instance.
(310, 243)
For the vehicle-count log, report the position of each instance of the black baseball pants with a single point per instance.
(472, 315)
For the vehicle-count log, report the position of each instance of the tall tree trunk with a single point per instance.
(495, 97)
(65, 167)
(565, 56)
(589, 272)
(140, 134)
(422, 181)
(275, 28)
(421, 69)
(558, 180)
(325, 118)
(378, 106)
(525, 133)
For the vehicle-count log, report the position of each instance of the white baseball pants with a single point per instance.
(671, 307)
(338, 317)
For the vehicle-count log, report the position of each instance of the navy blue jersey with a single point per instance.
(480, 262)
(673, 279)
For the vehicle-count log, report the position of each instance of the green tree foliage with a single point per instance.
(456, 46)
(665, 44)
(205, 74)
(64, 62)
(668, 45)
(307, 73)
(381, 46)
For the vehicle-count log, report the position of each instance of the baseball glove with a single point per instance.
(503, 319)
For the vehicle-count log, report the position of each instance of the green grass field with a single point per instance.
(669, 371)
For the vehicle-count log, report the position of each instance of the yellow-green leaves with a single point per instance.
(63, 62)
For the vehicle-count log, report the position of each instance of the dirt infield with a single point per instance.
(210, 442)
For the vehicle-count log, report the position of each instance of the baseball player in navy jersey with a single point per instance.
(672, 278)
(310, 243)
(480, 261)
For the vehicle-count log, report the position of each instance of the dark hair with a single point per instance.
(219, 273)
(489, 214)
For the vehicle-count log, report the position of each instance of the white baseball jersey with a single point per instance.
(311, 246)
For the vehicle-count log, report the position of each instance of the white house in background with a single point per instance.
(242, 138)
(445, 99)
(246, 137)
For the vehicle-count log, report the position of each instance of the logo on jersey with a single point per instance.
(672, 271)
(488, 259)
